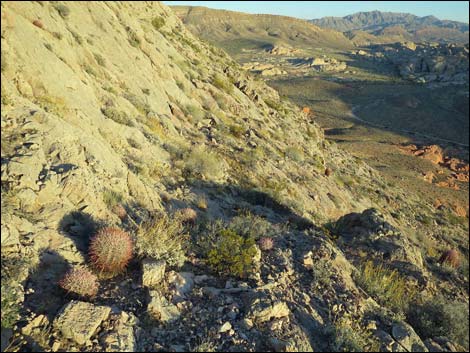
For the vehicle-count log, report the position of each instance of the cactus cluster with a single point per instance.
(111, 250)
(80, 281)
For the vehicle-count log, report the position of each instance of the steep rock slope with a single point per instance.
(107, 103)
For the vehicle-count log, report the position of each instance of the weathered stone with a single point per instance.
(122, 338)
(263, 311)
(152, 272)
(160, 309)
(407, 337)
(78, 320)
(227, 326)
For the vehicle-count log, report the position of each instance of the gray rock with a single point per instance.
(407, 337)
(161, 309)
(152, 272)
(79, 320)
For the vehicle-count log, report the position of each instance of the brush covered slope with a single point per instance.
(233, 30)
(248, 230)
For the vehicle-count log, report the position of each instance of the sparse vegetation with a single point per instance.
(134, 40)
(294, 153)
(203, 162)
(63, 10)
(385, 285)
(162, 237)
(116, 115)
(223, 83)
(158, 22)
(77, 37)
(439, 317)
(112, 198)
(99, 59)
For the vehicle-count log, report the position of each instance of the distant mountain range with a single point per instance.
(383, 27)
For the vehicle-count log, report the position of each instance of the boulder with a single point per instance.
(79, 320)
(152, 272)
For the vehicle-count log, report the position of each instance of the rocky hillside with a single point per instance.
(231, 30)
(156, 197)
(388, 27)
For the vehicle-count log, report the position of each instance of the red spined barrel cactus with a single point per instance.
(120, 211)
(450, 258)
(266, 243)
(80, 281)
(111, 250)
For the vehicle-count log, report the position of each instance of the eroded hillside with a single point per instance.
(113, 114)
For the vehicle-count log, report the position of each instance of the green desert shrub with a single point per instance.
(10, 304)
(118, 116)
(222, 83)
(387, 286)
(162, 237)
(439, 317)
(111, 198)
(110, 250)
(202, 162)
(80, 281)
(194, 112)
(158, 22)
(237, 130)
(232, 254)
(138, 103)
(63, 10)
(134, 40)
(343, 338)
(251, 226)
(294, 153)
(99, 59)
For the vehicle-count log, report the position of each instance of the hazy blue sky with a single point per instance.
(444, 10)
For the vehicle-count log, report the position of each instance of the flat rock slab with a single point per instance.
(79, 320)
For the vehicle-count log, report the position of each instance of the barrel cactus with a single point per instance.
(80, 281)
(110, 250)
(120, 211)
(450, 258)
(266, 243)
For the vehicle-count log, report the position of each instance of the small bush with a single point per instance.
(80, 281)
(250, 226)
(162, 238)
(294, 153)
(132, 37)
(438, 317)
(138, 103)
(194, 112)
(201, 202)
(57, 35)
(386, 286)
(111, 250)
(63, 10)
(343, 338)
(77, 37)
(201, 162)
(111, 198)
(158, 22)
(116, 115)
(232, 254)
(187, 215)
(10, 305)
(99, 59)
(237, 130)
(222, 83)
